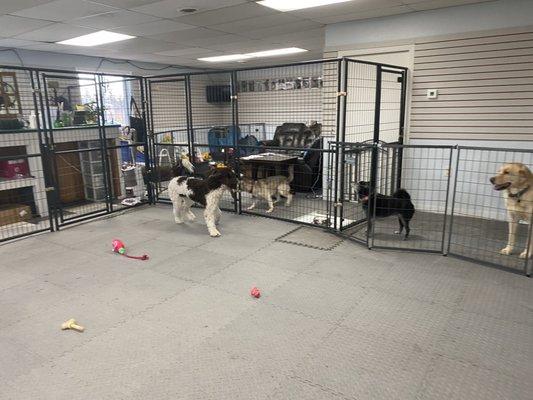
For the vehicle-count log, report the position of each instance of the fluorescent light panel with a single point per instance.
(96, 38)
(258, 54)
(291, 5)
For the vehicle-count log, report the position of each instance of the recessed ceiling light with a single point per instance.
(291, 5)
(230, 57)
(258, 54)
(96, 38)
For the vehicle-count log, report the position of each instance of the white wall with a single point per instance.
(445, 21)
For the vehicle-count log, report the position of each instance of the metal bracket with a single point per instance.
(338, 205)
(342, 94)
(49, 189)
(234, 97)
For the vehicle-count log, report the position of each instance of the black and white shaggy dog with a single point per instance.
(184, 191)
(398, 204)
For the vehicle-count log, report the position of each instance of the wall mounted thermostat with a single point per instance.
(432, 93)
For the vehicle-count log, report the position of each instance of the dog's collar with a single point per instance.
(519, 194)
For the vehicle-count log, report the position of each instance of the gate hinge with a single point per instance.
(49, 189)
(234, 97)
(342, 94)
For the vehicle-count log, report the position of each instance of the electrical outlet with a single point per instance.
(433, 93)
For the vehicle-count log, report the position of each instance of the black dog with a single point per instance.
(398, 204)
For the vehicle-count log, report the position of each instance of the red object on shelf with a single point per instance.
(14, 169)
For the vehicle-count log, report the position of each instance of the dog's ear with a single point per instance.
(524, 171)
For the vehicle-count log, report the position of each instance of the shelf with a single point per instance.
(8, 184)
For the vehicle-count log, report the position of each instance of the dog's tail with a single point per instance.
(401, 194)
(291, 175)
(177, 168)
(188, 165)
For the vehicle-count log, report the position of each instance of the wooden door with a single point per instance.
(69, 176)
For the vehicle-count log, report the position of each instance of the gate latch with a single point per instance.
(234, 97)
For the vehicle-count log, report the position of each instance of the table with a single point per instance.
(275, 160)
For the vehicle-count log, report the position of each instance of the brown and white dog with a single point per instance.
(267, 188)
(516, 182)
(184, 191)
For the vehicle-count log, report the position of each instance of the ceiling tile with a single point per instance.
(169, 8)
(281, 29)
(382, 12)
(114, 19)
(64, 10)
(262, 22)
(243, 46)
(186, 35)
(125, 4)
(219, 39)
(153, 28)
(140, 44)
(16, 43)
(13, 26)
(227, 14)
(55, 32)
(11, 6)
(418, 5)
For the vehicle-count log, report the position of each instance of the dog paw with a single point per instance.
(250, 208)
(397, 232)
(178, 221)
(506, 251)
(214, 234)
(269, 210)
(523, 255)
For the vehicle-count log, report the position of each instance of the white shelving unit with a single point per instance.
(30, 140)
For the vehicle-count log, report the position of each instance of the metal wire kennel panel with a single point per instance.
(425, 175)
(214, 132)
(298, 105)
(169, 131)
(479, 221)
(24, 202)
(123, 105)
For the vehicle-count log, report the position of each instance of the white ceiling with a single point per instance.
(164, 35)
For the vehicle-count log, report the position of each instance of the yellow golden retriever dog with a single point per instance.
(516, 182)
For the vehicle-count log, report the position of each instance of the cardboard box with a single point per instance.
(12, 213)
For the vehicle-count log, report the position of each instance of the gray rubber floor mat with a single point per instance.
(311, 237)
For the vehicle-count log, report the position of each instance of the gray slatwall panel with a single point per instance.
(485, 85)
(475, 55)
(481, 90)
(476, 49)
(474, 83)
(476, 41)
(438, 70)
(496, 60)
